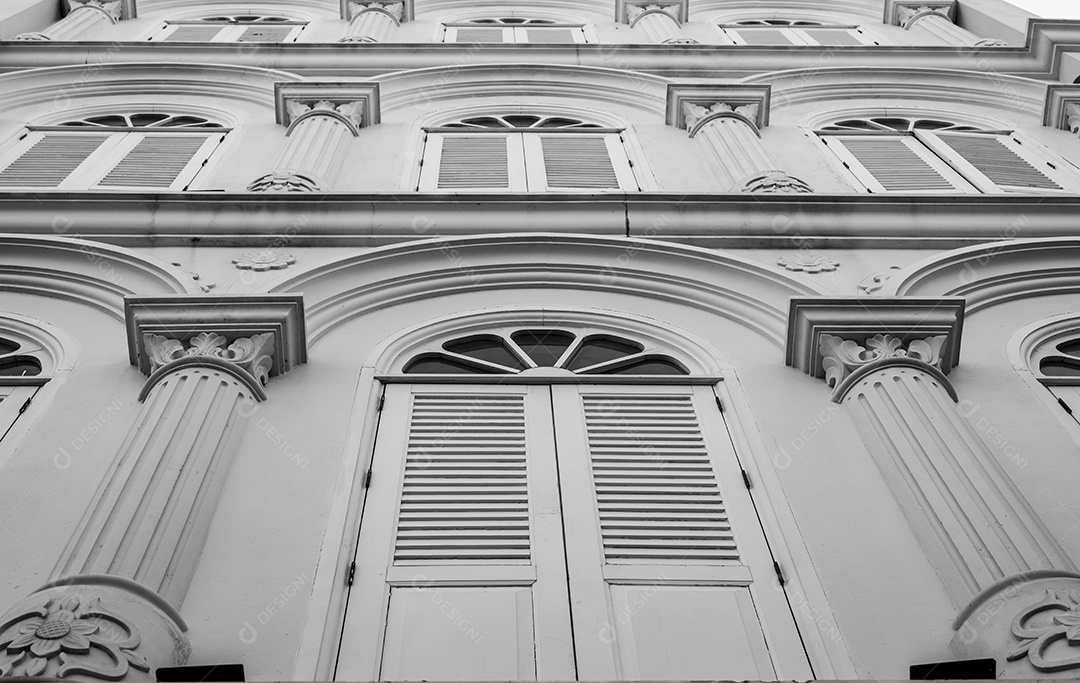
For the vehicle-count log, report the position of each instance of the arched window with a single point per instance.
(1057, 366)
(525, 152)
(539, 483)
(793, 32)
(943, 156)
(232, 28)
(513, 30)
(136, 150)
(20, 377)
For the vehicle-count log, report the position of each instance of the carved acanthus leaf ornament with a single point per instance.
(352, 111)
(635, 11)
(1063, 609)
(841, 357)
(114, 8)
(394, 9)
(695, 112)
(55, 638)
(252, 354)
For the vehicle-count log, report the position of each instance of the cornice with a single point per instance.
(829, 337)
(247, 219)
(198, 321)
(1062, 108)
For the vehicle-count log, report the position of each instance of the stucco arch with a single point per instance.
(751, 294)
(89, 273)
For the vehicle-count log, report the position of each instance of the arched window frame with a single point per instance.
(942, 154)
(582, 156)
(772, 31)
(510, 29)
(49, 349)
(114, 151)
(253, 27)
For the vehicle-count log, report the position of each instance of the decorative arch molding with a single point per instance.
(841, 11)
(423, 90)
(1033, 342)
(996, 92)
(64, 87)
(89, 273)
(999, 272)
(343, 289)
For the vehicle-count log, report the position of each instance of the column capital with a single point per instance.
(901, 12)
(689, 105)
(628, 11)
(830, 338)
(1062, 107)
(354, 104)
(239, 329)
(118, 10)
(396, 10)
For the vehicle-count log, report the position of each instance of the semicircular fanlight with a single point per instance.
(14, 364)
(519, 121)
(530, 348)
(140, 119)
(897, 124)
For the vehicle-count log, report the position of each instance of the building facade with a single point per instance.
(560, 340)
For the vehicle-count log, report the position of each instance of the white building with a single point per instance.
(562, 340)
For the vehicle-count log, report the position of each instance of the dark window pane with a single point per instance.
(895, 124)
(1060, 367)
(147, 119)
(119, 121)
(544, 347)
(490, 349)
(20, 366)
(7, 346)
(600, 350)
(649, 366)
(521, 121)
(439, 365)
(1071, 348)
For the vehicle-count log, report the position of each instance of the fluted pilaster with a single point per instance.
(939, 28)
(83, 20)
(659, 23)
(372, 22)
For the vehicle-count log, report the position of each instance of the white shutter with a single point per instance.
(48, 159)
(762, 36)
(165, 161)
(479, 34)
(834, 36)
(896, 163)
(194, 33)
(577, 161)
(999, 162)
(550, 34)
(266, 33)
(480, 161)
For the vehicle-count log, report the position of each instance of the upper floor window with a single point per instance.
(793, 32)
(525, 153)
(20, 378)
(232, 28)
(924, 155)
(514, 30)
(117, 151)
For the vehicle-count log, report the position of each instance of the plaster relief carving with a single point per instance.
(32, 36)
(263, 260)
(351, 111)
(874, 282)
(1054, 618)
(808, 263)
(285, 181)
(114, 9)
(394, 9)
(840, 357)
(252, 354)
(635, 11)
(1072, 114)
(774, 182)
(908, 15)
(696, 112)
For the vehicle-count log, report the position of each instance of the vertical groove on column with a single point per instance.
(660, 26)
(737, 149)
(944, 31)
(151, 517)
(374, 25)
(316, 147)
(78, 24)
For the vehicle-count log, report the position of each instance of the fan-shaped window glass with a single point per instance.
(137, 150)
(232, 28)
(16, 364)
(793, 32)
(528, 349)
(20, 379)
(514, 30)
(935, 155)
(525, 152)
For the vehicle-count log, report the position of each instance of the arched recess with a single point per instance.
(90, 273)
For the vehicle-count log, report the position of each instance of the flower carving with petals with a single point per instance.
(263, 260)
(1063, 609)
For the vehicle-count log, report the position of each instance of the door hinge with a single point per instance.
(1061, 401)
(26, 404)
(352, 574)
(719, 403)
(382, 402)
(746, 480)
(779, 573)
(367, 480)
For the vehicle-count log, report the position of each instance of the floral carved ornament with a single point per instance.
(841, 357)
(1036, 639)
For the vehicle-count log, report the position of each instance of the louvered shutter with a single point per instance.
(669, 568)
(548, 35)
(160, 161)
(577, 161)
(834, 36)
(460, 567)
(265, 34)
(482, 161)
(1000, 162)
(479, 34)
(49, 158)
(896, 163)
(762, 36)
(194, 33)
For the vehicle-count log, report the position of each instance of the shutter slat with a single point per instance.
(575, 161)
(895, 165)
(193, 34)
(154, 162)
(459, 505)
(265, 34)
(997, 162)
(550, 35)
(652, 509)
(474, 161)
(479, 35)
(50, 160)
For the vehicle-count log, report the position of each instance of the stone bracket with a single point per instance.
(893, 16)
(1062, 106)
(292, 97)
(348, 12)
(183, 317)
(858, 319)
(622, 8)
(706, 95)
